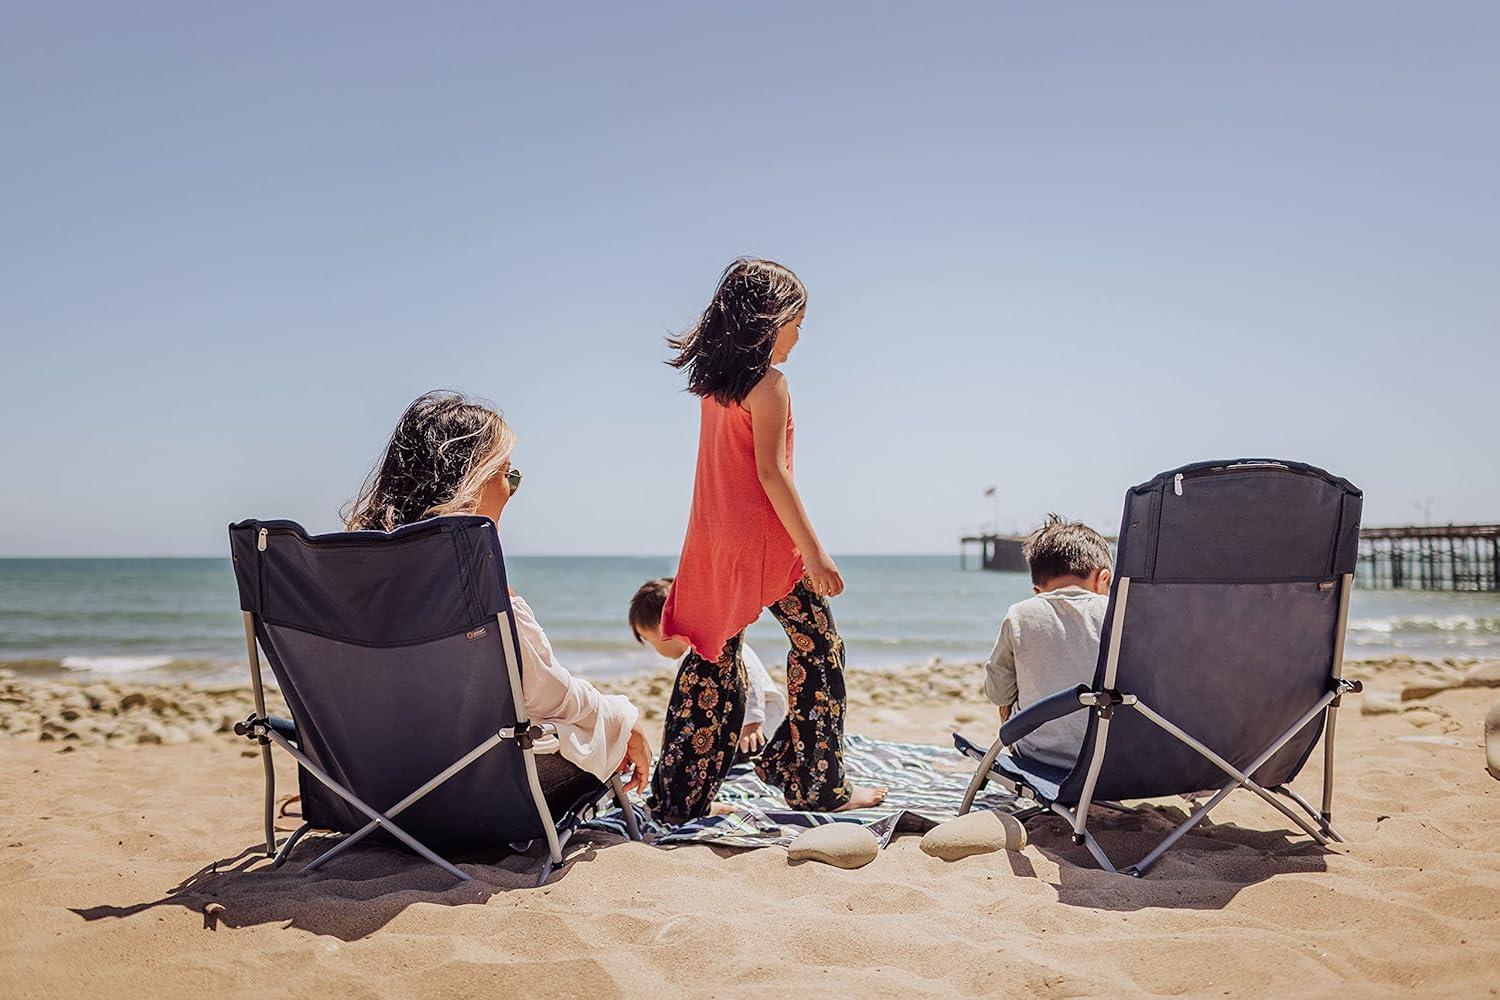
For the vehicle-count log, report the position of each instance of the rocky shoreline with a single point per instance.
(114, 713)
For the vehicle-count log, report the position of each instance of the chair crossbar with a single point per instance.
(479, 751)
(354, 800)
(1077, 818)
(1240, 778)
(1322, 819)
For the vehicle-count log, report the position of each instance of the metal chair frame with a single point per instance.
(259, 729)
(1104, 701)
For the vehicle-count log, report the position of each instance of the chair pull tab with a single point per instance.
(1177, 484)
(260, 540)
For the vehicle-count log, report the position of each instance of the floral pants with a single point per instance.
(805, 756)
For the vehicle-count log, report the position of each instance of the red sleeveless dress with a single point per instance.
(737, 558)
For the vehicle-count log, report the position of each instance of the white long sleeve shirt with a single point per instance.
(1047, 643)
(592, 728)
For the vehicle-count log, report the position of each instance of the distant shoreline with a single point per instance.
(114, 712)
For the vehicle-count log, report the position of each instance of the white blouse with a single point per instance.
(592, 728)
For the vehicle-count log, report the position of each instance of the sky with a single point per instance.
(1053, 249)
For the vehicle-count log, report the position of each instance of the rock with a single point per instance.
(174, 734)
(1422, 718)
(1492, 740)
(1413, 692)
(1485, 674)
(1379, 703)
(132, 700)
(981, 832)
(843, 845)
(152, 732)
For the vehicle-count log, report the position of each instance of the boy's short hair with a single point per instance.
(1064, 548)
(646, 605)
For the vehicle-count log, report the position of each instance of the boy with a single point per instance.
(1051, 641)
(765, 705)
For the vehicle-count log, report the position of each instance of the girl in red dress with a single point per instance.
(750, 546)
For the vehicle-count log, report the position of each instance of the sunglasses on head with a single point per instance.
(513, 477)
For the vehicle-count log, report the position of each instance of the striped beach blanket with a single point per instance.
(926, 786)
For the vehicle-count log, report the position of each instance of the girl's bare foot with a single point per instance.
(721, 808)
(861, 797)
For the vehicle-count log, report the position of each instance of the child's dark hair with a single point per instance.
(729, 349)
(1064, 548)
(646, 605)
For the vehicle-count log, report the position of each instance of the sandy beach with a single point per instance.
(129, 812)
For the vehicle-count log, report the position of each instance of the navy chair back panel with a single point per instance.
(1230, 622)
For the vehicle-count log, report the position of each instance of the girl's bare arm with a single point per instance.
(769, 403)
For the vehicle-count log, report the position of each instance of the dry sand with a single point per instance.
(122, 823)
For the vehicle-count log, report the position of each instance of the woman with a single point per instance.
(451, 455)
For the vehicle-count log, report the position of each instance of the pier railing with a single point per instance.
(1430, 557)
(1412, 557)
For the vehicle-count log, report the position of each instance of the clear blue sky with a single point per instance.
(1053, 248)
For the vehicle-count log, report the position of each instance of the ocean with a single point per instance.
(164, 620)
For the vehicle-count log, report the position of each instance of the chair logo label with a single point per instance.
(478, 633)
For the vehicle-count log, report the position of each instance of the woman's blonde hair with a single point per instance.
(444, 449)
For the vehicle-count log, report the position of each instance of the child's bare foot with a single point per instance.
(720, 808)
(861, 797)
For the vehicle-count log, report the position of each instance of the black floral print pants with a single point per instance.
(805, 756)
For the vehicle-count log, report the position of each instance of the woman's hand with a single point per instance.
(823, 576)
(637, 760)
(752, 737)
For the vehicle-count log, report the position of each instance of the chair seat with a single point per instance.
(1044, 779)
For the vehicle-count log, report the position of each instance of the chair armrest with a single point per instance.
(1054, 706)
(286, 727)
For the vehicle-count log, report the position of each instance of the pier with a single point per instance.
(1462, 557)
(1430, 557)
(997, 552)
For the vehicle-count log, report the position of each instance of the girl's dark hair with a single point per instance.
(445, 447)
(729, 349)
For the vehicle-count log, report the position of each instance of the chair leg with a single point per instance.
(288, 844)
(270, 811)
(625, 807)
(981, 777)
(550, 864)
(1088, 838)
(1321, 819)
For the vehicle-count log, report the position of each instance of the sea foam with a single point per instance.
(114, 664)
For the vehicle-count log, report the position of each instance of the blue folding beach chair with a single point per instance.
(398, 658)
(1221, 656)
